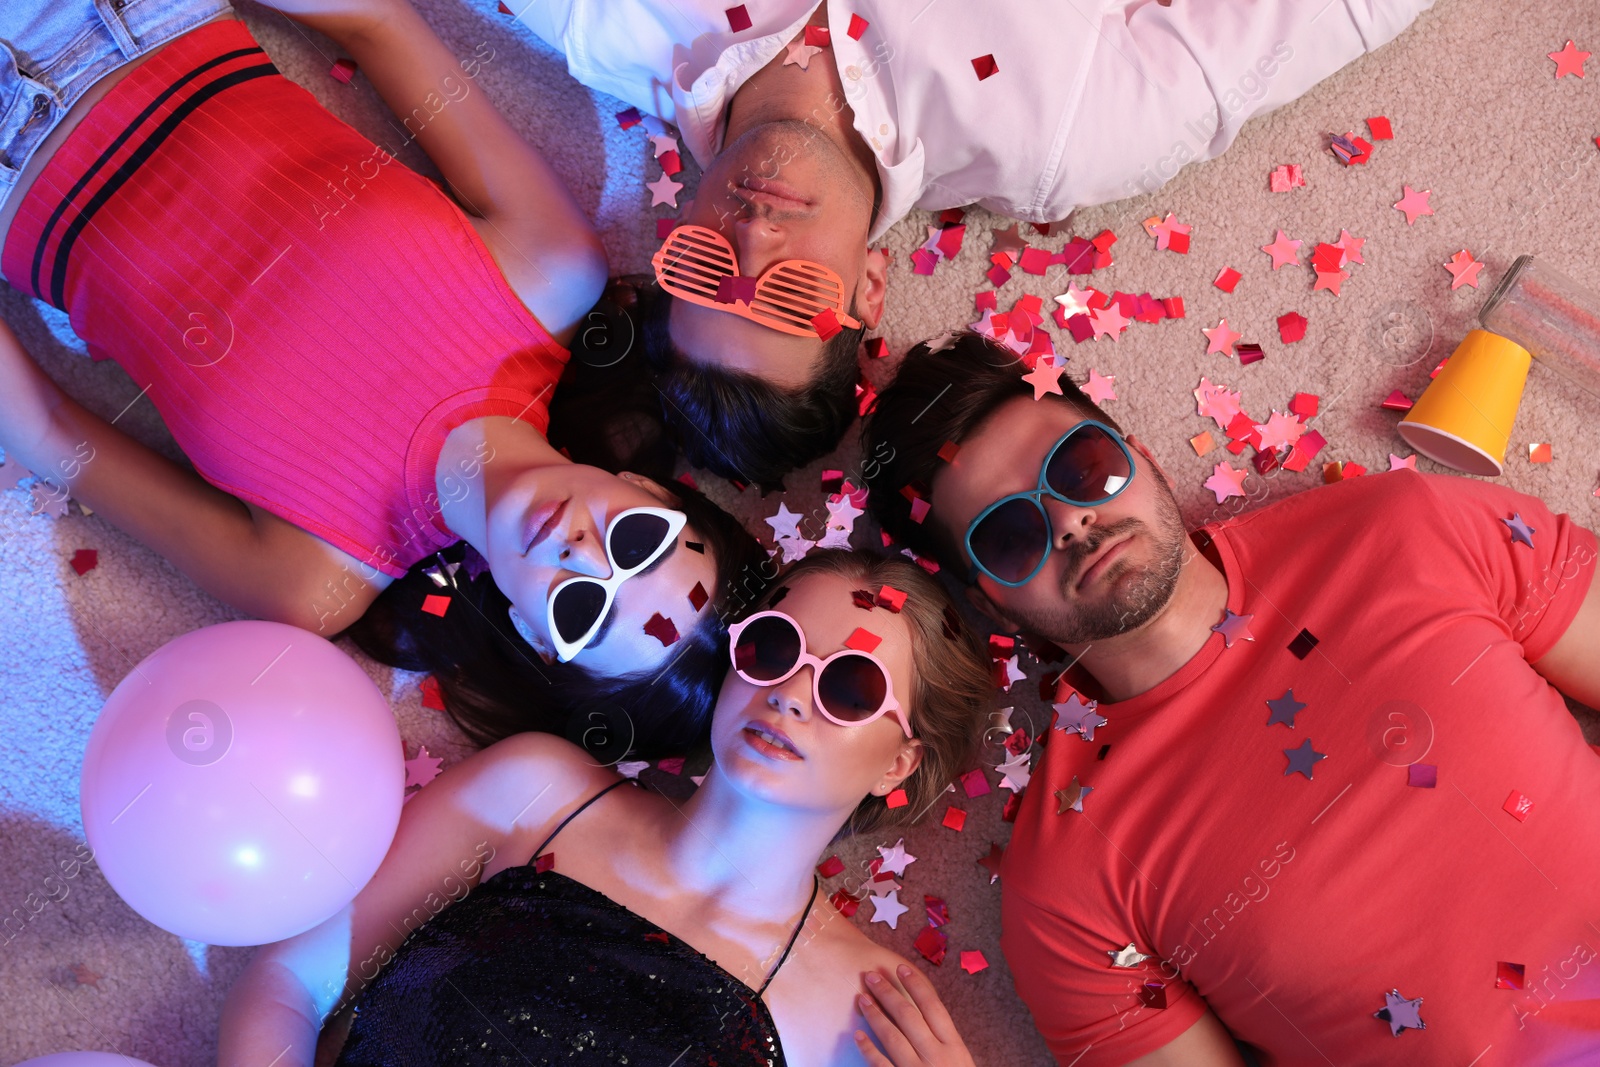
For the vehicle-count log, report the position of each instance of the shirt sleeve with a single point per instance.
(1535, 590)
(1171, 85)
(1088, 1012)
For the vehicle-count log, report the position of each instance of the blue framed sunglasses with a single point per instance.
(1011, 538)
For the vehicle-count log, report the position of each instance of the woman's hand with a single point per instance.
(915, 1032)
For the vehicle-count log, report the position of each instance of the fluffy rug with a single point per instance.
(1507, 150)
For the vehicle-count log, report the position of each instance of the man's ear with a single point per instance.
(1139, 447)
(871, 288)
(980, 600)
(649, 485)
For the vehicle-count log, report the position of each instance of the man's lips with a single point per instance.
(774, 192)
(541, 523)
(771, 741)
(1107, 554)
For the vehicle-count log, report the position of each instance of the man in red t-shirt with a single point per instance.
(1330, 803)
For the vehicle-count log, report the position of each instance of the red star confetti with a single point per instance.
(664, 191)
(1569, 60)
(1099, 387)
(435, 604)
(343, 70)
(1216, 402)
(972, 961)
(738, 19)
(858, 26)
(891, 598)
(985, 67)
(1396, 401)
(1107, 320)
(1220, 339)
(1291, 327)
(1463, 270)
(1539, 453)
(955, 818)
(863, 640)
(85, 560)
(1414, 204)
(1518, 806)
(661, 628)
(991, 862)
(1284, 250)
(1045, 377)
(422, 768)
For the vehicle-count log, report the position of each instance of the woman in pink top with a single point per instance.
(358, 366)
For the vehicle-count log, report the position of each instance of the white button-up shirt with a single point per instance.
(1093, 100)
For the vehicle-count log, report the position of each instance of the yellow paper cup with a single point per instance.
(1464, 418)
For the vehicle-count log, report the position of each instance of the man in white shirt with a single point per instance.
(1029, 109)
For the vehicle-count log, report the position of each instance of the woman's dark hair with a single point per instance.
(741, 426)
(953, 687)
(495, 685)
(938, 398)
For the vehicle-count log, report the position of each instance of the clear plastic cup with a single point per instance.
(1551, 316)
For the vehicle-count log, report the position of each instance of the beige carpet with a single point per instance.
(1507, 151)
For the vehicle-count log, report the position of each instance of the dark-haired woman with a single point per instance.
(535, 906)
(357, 365)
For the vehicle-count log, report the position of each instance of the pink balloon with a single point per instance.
(84, 1059)
(242, 783)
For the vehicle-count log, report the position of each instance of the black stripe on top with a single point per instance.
(122, 138)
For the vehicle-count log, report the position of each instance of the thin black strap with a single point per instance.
(575, 813)
(801, 925)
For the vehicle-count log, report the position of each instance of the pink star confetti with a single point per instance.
(1351, 247)
(1569, 60)
(800, 53)
(1398, 464)
(1170, 234)
(1284, 250)
(1234, 628)
(1226, 482)
(1098, 387)
(1331, 280)
(422, 768)
(1220, 338)
(1414, 204)
(887, 908)
(664, 191)
(1074, 301)
(1463, 270)
(1045, 377)
(1107, 320)
(1279, 431)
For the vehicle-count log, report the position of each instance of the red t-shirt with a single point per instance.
(1292, 906)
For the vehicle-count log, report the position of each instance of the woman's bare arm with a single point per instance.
(253, 561)
(540, 236)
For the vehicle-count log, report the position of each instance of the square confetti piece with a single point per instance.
(897, 799)
(738, 19)
(698, 596)
(1226, 279)
(664, 228)
(919, 509)
(1305, 405)
(844, 903)
(1303, 643)
(975, 783)
(826, 323)
(1539, 453)
(830, 867)
(432, 695)
(985, 67)
(955, 818)
(436, 605)
(948, 451)
(1509, 975)
(1179, 243)
(972, 961)
(1291, 327)
(1034, 260)
(671, 765)
(546, 862)
(1202, 443)
(1153, 995)
(1422, 775)
(671, 163)
(877, 348)
(891, 598)
(1518, 806)
(630, 118)
(662, 629)
(818, 36)
(1396, 401)
(85, 560)
(863, 640)
(997, 275)
(858, 26)
(1248, 353)
(1173, 305)
(1380, 129)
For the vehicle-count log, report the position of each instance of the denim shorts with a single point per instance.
(52, 51)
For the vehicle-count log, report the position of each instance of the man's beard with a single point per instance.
(1129, 601)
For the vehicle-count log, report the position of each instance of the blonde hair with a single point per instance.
(952, 684)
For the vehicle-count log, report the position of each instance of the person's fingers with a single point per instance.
(869, 1051)
(900, 1050)
(907, 1019)
(928, 1003)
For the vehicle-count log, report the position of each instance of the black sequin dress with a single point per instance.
(534, 968)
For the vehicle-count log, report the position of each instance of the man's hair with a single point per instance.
(940, 397)
(952, 688)
(741, 426)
